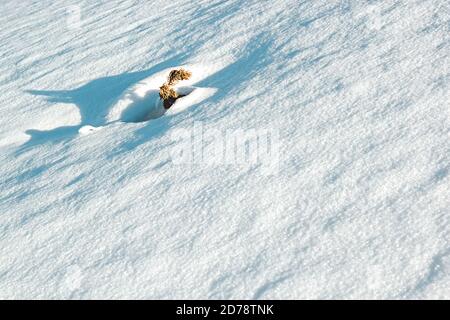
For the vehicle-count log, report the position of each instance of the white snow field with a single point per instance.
(100, 199)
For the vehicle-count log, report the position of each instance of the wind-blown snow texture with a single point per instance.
(359, 93)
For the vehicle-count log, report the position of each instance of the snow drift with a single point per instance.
(92, 204)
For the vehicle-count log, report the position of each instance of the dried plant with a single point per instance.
(177, 75)
(166, 92)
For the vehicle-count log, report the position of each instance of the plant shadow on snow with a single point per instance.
(93, 101)
(232, 77)
(95, 98)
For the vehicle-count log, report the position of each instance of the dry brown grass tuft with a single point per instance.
(177, 75)
(166, 92)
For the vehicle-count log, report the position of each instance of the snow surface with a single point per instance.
(92, 204)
